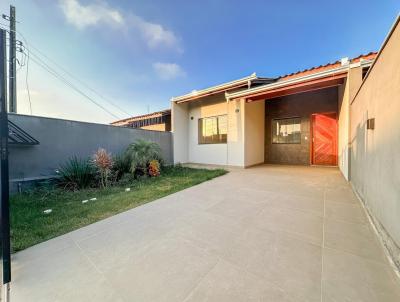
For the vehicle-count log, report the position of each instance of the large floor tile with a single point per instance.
(291, 264)
(168, 271)
(226, 283)
(312, 205)
(355, 238)
(345, 212)
(341, 194)
(49, 248)
(113, 248)
(350, 278)
(239, 209)
(303, 224)
(212, 232)
(64, 276)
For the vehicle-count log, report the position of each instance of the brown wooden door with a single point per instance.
(324, 142)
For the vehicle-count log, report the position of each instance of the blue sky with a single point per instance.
(141, 53)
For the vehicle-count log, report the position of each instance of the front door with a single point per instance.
(324, 139)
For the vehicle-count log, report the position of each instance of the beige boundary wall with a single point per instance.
(375, 154)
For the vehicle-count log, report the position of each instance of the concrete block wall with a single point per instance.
(62, 139)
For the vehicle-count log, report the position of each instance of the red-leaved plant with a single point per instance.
(154, 168)
(103, 162)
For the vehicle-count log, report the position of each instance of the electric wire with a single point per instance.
(69, 84)
(55, 74)
(78, 80)
(27, 65)
(48, 68)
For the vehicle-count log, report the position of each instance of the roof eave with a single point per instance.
(326, 73)
(196, 94)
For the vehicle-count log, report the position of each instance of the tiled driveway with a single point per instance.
(271, 233)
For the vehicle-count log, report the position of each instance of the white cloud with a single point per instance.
(155, 34)
(168, 71)
(82, 16)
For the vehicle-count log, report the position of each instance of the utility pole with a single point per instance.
(12, 92)
(4, 174)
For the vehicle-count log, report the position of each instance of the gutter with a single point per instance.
(322, 74)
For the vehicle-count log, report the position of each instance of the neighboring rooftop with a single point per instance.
(129, 120)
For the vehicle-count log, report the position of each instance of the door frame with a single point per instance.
(312, 137)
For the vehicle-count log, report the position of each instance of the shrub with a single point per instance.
(126, 179)
(103, 162)
(121, 166)
(140, 153)
(76, 173)
(154, 168)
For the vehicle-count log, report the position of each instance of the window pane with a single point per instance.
(286, 131)
(213, 130)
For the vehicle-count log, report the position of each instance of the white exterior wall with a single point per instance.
(254, 133)
(236, 113)
(185, 132)
(215, 154)
(179, 124)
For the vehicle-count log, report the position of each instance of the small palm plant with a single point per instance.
(140, 153)
(103, 162)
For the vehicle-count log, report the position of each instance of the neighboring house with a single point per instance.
(159, 121)
(299, 118)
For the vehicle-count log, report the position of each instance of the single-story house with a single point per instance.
(299, 118)
(159, 121)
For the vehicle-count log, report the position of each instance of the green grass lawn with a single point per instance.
(29, 225)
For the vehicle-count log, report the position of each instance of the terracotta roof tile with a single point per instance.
(328, 66)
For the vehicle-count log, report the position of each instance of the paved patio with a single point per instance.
(270, 233)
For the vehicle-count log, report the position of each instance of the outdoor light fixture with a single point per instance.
(371, 123)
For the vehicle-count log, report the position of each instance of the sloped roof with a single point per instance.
(323, 76)
(228, 86)
(142, 117)
(300, 73)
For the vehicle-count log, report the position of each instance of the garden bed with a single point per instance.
(30, 225)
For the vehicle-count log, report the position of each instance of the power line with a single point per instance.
(26, 80)
(69, 84)
(52, 71)
(79, 80)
